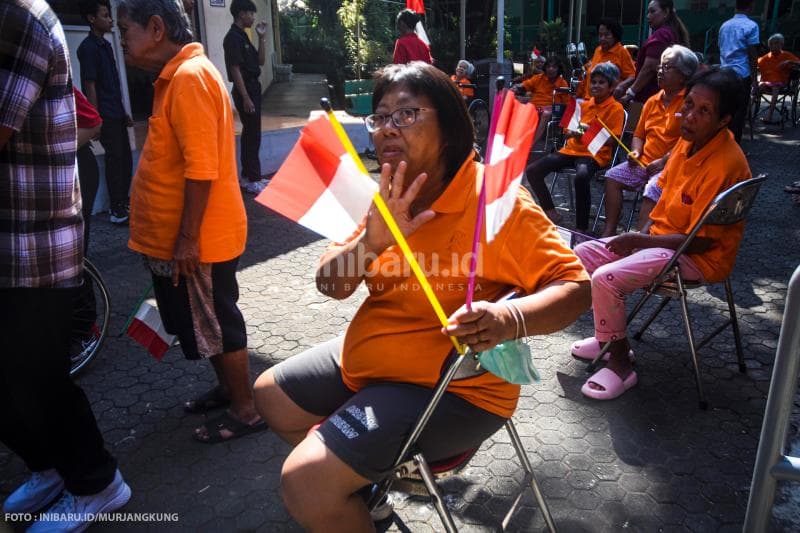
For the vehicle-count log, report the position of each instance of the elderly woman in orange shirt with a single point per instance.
(705, 161)
(543, 90)
(366, 389)
(656, 133)
(775, 67)
(609, 36)
(575, 154)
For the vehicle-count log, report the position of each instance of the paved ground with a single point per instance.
(649, 461)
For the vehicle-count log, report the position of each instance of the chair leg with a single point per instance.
(737, 338)
(690, 336)
(436, 495)
(599, 214)
(526, 465)
(633, 210)
(638, 335)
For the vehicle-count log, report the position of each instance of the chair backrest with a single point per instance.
(728, 207)
(617, 151)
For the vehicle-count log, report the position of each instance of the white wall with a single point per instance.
(217, 22)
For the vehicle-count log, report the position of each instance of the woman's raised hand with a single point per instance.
(398, 199)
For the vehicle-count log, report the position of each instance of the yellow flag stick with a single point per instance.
(383, 209)
(620, 142)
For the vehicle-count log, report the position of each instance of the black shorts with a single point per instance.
(201, 312)
(366, 429)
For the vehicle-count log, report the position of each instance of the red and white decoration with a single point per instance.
(595, 137)
(147, 329)
(319, 185)
(572, 115)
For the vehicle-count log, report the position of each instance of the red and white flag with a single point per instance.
(147, 329)
(319, 185)
(595, 137)
(509, 156)
(572, 115)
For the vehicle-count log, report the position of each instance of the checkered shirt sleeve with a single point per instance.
(41, 229)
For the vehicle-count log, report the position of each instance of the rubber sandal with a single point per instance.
(226, 421)
(613, 385)
(209, 400)
(588, 348)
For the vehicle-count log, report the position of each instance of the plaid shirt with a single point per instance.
(41, 229)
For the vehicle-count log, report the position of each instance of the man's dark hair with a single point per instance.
(725, 83)
(422, 79)
(743, 5)
(409, 18)
(91, 7)
(176, 22)
(554, 60)
(237, 6)
(613, 26)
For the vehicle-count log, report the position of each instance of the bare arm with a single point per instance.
(186, 254)
(90, 91)
(342, 269)
(238, 82)
(627, 243)
(87, 134)
(644, 76)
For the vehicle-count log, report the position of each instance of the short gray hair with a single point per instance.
(685, 60)
(608, 70)
(776, 37)
(176, 22)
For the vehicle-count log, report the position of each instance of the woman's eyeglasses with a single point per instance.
(401, 118)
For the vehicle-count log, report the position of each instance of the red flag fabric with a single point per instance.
(509, 156)
(572, 116)
(595, 137)
(417, 6)
(319, 185)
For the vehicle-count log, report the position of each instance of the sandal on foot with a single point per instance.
(613, 385)
(226, 422)
(209, 400)
(589, 347)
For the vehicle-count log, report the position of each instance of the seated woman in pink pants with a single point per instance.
(705, 161)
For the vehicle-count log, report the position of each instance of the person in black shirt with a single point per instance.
(243, 63)
(100, 84)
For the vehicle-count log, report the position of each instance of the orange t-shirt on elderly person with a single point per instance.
(613, 116)
(690, 183)
(190, 136)
(659, 126)
(618, 55)
(542, 89)
(769, 65)
(395, 335)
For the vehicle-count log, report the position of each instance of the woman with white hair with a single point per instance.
(656, 133)
(464, 69)
(775, 67)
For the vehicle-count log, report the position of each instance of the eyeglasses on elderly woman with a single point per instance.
(400, 118)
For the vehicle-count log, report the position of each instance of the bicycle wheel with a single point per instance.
(479, 112)
(90, 317)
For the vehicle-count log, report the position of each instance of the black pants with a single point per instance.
(119, 162)
(585, 167)
(45, 418)
(251, 131)
(737, 123)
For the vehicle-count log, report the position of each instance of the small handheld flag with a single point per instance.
(147, 329)
(627, 150)
(595, 137)
(572, 115)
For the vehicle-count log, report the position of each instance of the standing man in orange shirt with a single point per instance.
(187, 215)
(774, 68)
(609, 48)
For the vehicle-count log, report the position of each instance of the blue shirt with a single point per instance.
(97, 64)
(735, 36)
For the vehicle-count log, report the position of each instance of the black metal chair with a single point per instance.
(412, 472)
(729, 207)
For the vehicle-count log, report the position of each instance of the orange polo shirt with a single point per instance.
(769, 67)
(690, 183)
(467, 92)
(395, 335)
(541, 89)
(190, 136)
(659, 126)
(618, 55)
(612, 114)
